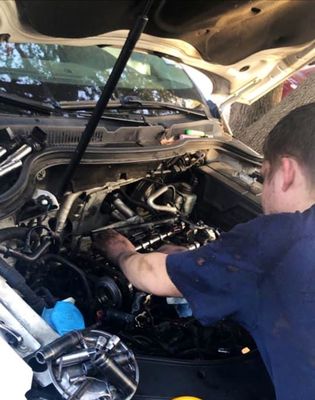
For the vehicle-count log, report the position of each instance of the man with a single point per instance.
(262, 273)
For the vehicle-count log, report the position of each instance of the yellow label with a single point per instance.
(186, 398)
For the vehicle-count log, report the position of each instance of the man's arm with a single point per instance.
(147, 272)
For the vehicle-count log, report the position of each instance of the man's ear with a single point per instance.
(288, 168)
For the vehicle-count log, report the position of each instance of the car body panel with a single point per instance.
(247, 53)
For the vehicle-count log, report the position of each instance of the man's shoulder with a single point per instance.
(304, 220)
(303, 223)
(274, 230)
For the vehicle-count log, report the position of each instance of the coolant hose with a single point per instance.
(61, 260)
(13, 233)
(17, 282)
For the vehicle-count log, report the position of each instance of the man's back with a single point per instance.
(285, 331)
(261, 274)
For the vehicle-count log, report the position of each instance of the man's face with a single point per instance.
(271, 193)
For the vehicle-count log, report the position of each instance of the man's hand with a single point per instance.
(113, 245)
(146, 272)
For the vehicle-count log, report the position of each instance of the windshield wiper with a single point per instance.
(134, 103)
(113, 117)
(25, 103)
(129, 104)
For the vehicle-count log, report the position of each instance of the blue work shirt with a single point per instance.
(262, 274)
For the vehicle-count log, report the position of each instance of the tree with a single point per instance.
(253, 134)
(243, 115)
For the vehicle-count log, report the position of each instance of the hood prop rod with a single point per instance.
(127, 49)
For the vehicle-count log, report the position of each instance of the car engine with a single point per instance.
(48, 259)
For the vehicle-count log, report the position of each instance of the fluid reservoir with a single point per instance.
(189, 197)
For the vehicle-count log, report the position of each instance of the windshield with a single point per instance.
(69, 73)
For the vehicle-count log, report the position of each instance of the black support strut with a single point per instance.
(127, 49)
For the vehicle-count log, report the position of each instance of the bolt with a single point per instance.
(41, 175)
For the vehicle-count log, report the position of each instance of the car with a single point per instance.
(102, 127)
(296, 79)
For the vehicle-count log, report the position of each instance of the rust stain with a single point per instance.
(232, 268)
(200, 261)
(281, 324)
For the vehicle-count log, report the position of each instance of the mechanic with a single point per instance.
(261, 273)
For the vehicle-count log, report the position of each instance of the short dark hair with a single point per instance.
(294, 135)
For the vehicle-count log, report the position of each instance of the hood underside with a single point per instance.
(224, 32)
(253, 45)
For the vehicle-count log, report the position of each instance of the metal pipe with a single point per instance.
(133, 36)
(72, 197)
(75, 357)
(65, 210)
(5, 169)
(118, 215)
(20, 153)
(3, 151)
(122, 207)
(116, 375)
(53, 350)
(157, 194)
(26, 257)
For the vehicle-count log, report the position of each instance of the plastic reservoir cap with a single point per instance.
(186, 398)
(194, 132)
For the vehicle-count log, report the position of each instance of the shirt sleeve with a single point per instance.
(220, 278)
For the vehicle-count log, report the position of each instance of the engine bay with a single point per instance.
(60, 261)
(49, 258)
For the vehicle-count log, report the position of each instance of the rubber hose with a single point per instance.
(17, 282)
(19, 233)
(137, 203)
(13, 233)
(65, 262)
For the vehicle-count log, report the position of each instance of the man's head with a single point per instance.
(289, 163)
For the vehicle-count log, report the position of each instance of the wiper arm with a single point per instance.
(26, 103)
(77, 105)
(128, 104)
(134, 103)
(114, 117)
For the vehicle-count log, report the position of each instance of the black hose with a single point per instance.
(65, 262)
(18, 233)
(136, 203)
(17, 282)
(13, 233)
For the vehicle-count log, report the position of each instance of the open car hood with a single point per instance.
(248, 47)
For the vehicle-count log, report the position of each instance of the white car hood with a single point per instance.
(245, 80)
